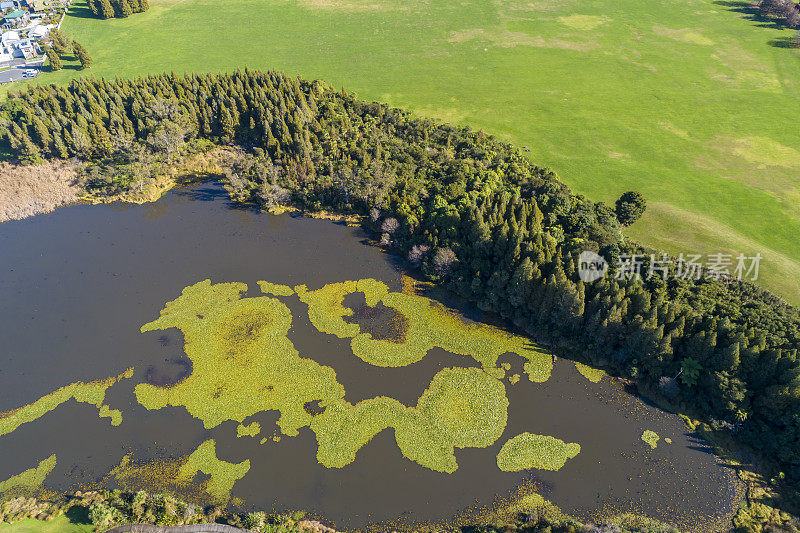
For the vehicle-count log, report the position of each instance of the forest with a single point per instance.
(472, 212)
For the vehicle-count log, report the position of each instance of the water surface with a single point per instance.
(77, 284)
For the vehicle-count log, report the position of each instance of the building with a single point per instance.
(40, 31)
(40, 6)
(13, 46)
(10, 4)
(16, 19)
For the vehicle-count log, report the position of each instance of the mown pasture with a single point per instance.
(687, 102)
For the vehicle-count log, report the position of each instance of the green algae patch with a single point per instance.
(242, 361)
(526, 451)
(462, 408)
(326, 310)
(592, 374)
(668, 440)
(275, 290)
(467, 407)
(114, 414)
(651, 438)
(28, 480)
(93, 393)
(250, 430)
(223, 474)
(429, 325)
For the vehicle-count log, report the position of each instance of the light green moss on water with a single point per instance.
(114, 414)
(28, 480)
(651, 438)
(592, 374)
(526, 451)
(242, 361)
(93, 393)
(462, 408)
(429, 325)
(223, 474)
(250, 430)
(275, 290)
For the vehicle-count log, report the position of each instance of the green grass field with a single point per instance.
(688, 101)
(61, 524)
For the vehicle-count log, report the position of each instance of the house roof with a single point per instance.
(16, 14)
(9, 36)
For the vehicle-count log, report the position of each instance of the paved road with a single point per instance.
(18, 67)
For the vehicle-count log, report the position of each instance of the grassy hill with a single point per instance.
(691, 102)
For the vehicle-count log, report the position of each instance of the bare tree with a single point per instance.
(443, 261)
(390, 225)
(418, 253)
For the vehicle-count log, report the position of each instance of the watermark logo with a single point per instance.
(591, 266)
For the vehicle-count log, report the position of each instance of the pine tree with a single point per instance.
(94, 8)
(82, 55)
(124, 9)
(144, 5)
(106, 9)
(60, 42)
(52, 59)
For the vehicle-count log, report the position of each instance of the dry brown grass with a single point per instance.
(26, 190)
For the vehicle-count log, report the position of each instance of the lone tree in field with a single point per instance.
(630, 207)
(52, 58)
(82, 55)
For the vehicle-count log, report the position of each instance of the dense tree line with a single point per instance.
(787, 11)
(106, 509)
(470, 210)
(106, 9)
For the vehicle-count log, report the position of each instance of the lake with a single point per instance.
(77, 285)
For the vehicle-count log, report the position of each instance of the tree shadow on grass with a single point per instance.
(81, 12)
(786, 42)
(750, 12)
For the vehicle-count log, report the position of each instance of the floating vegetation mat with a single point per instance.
(526, 451)
(28, 480)
(93, 393)
(427, 325)
(651, 438)
(240, 362)
(592, 374)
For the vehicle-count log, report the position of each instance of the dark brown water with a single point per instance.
(77, 284)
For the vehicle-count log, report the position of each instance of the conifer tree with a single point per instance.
(60, 43)
(53, 61)
(106, 10)
(124, 9)
(82, 55)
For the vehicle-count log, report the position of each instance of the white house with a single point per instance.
(13, 46)
(40, 31)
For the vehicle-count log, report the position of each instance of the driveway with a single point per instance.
(18, 67)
